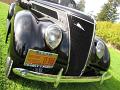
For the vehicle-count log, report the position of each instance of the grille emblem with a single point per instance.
(79, 26)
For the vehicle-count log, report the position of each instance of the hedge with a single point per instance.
(110, 32)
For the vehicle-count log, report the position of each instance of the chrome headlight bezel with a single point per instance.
(100, 49)
(53, 30)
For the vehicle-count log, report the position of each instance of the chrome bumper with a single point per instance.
(56, 79)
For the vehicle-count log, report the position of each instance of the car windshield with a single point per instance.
(68, 3)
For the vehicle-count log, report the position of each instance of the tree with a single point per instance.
(109, 11)
(81, 5)
(118, 2)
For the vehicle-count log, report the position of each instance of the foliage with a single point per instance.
(108, 12)
(117, 2)
(24, 84)
(81, 5)
(110, 32)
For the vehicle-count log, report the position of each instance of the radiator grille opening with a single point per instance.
(81, 38)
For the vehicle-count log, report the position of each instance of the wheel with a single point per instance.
(9, 65)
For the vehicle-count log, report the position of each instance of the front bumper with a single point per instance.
(56, 79)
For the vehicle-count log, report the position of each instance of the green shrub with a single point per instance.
(110, 32)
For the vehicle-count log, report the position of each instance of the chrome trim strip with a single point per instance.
(69, 46)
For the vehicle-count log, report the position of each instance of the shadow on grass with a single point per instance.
(111, 84)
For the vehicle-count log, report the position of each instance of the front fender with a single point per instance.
(9, 16)
(104, 63)
(28, 33)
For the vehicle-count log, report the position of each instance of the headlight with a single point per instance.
(100, 47)
(53, 36)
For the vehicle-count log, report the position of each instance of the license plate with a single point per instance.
(40, 58)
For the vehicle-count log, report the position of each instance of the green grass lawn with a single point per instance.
(24, 84)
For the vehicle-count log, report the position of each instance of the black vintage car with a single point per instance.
(51, 41)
